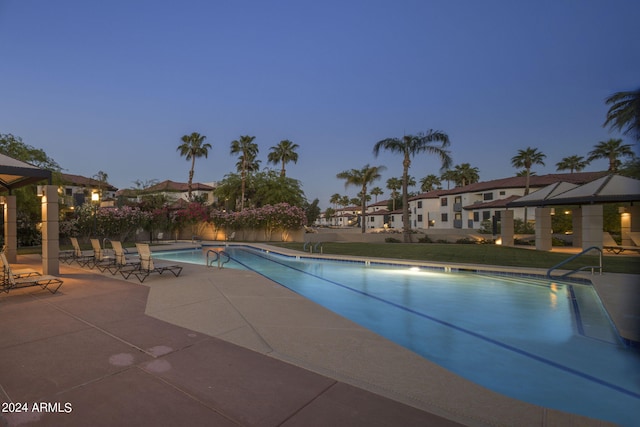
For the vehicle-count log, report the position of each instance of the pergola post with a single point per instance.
(543, 229)
(591, 226)
(10, 228)
(50, 231)
(507, 227)
(576, 226)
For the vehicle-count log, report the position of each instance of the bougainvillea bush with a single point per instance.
(270, 218)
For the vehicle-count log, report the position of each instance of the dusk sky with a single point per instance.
(113, 85)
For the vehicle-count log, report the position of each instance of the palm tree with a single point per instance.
(448, 175)
(335, 200)
(612, 150)
(525, 159)
(192, 147)
(247, 151)
(410, 146)
(429, 183)
(394, 184)
(572, 163)
(375, 192)
(284, 153)
(624, 112)
(362, 177)
(465, 174)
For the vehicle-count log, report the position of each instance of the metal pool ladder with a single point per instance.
(218, 258)
(592, 267)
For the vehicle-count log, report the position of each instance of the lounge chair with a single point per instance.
(20, 272)
(126, 266)
(13, 280)
(100, 258)
(77, 254)
(635, 238)
(231, 236)
(610, 245)
(148, 265)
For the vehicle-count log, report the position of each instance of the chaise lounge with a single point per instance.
(148, 265)
(126, 266)
(14, 280)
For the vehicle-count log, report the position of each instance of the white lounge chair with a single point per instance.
(610, 245)
(148, 265)
(126, 266)
(14, 280)
(100, 257)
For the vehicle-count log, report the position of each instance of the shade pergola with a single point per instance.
(15, 174)
(589, 198)
(608, 189)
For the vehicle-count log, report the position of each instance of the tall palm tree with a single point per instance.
(430, 182)
(612, 150)
(362, 178)
(465, 174)
(394, 184)
(375, 192)
(335, 199)
(193, 147)
(247, 150)
(624, 113)
(410, 146)
(525, 159)
(572, 163)
(283, 153)
(448, 175)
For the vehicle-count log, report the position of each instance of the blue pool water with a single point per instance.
(547, 343)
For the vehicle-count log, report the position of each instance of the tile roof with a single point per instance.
(82, 181)
(535, 181)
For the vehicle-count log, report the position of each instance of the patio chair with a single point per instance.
(14, 280)
(148, 265)
(126, 266)
(610, 245)
(17, 273)
(77, 254)
(100, 258)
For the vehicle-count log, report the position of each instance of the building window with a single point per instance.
(444, 217)
(476, 216)
(419, 204)
(486, 215)
(502, 193)
(488, 196)
(458, 199)
(68, 191)
(443, 201)
(419, 218)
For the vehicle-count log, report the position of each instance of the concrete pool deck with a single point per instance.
(221, 347)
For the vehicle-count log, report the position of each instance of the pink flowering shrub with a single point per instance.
(270, 218)
(115, 223)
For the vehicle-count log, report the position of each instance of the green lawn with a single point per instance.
(475, 254)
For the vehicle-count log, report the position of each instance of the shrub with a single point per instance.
(392, 240)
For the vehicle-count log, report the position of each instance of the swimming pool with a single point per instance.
(547, 343)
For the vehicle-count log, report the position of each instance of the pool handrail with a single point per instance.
(592, 267)
(218, 258)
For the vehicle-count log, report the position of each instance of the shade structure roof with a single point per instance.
(15, 173)
(608, 189)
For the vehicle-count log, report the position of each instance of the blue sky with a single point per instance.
(112, 85)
